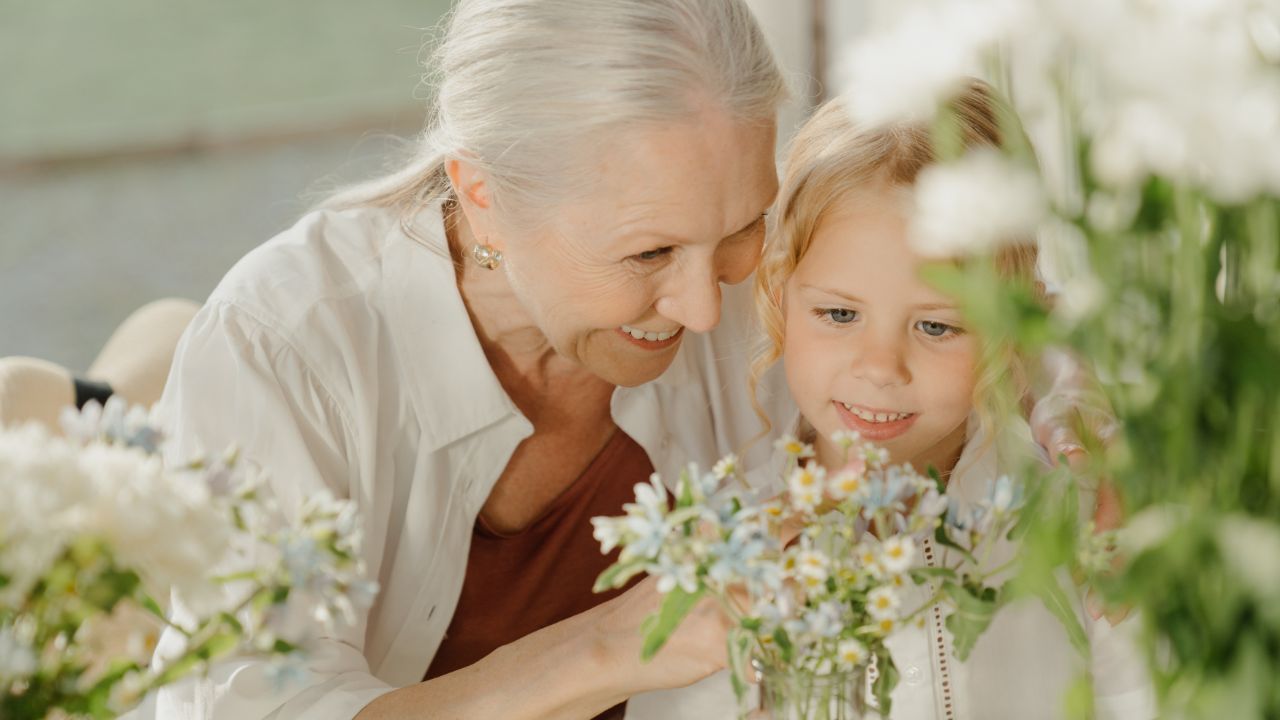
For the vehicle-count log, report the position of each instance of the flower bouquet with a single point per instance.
(813, 579)
(94, 534)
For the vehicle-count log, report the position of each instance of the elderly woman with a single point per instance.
(494, 344)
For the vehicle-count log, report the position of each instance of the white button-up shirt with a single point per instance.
(1021, 667)
(339, 356)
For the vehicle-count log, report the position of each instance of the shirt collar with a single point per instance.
(452, 387)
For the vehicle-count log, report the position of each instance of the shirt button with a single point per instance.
(913, 675)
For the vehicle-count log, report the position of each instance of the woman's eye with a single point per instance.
(839, 316)
(650, 255)
(936, 329)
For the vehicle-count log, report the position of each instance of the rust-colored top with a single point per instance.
(523, 582)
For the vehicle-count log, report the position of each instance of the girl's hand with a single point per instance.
(1071, 413)
(1074, 414)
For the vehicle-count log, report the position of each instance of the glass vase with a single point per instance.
(792, 694)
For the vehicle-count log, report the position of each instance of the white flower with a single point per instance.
(727, 467)
(1250, 548)
(794, 448)
(17, 660)
(609, 532)
(287, 672)
(845, 439)
(876, 456)
(812, 568)
(897, 553)
(912, 62)
(1004, 495)
(867, 554)
(851, 653)
(844, 484)
(806, 485)
(646, 520)
(672, 574)
(826, 620)
(975, 204)
(883, 603)
(932, 504)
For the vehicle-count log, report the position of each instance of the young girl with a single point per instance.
(869, 346)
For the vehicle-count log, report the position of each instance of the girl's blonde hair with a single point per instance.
(831, 158)
(529, 90)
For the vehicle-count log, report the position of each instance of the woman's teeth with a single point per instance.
(875, 417)
(639, 334)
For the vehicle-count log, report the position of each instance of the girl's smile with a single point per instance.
(876, 425)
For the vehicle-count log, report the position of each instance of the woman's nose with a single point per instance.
(693, 299)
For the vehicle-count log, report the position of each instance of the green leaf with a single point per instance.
(659, 626)
(941, 537)
(1044, 585)
(149, 604)
(886, 680)
(975, 608)
(738, 642)
(617, 575)
(937, 479)
(922, 574)
(783, 642)
(685, 490)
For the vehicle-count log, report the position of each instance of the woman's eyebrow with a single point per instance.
(681, 240)
(758, 219)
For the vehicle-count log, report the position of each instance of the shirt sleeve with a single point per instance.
(1121, 682)
(237, 381)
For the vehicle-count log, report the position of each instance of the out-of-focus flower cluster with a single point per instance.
(1184, 90)
(813, 577)
(96, 534)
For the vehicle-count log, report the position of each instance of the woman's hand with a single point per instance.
(695, 650)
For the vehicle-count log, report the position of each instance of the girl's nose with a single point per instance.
(881, 361)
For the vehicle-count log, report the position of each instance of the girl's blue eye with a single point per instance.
(840, 316)
(936, 329)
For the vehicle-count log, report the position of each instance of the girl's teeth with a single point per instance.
(875, 417)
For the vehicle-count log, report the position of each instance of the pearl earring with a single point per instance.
(486, 256)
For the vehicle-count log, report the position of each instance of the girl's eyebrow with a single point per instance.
(837, 293)
(856, 299)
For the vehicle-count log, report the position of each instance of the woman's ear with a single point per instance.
(470, 185)
(475, 199)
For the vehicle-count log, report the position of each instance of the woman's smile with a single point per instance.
(651, 339)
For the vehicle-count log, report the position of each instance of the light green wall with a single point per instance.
(87, 239)
(93, 75)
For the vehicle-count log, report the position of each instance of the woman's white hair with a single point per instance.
(529, 89)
